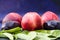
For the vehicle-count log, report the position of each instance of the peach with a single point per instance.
(31, 21)
(47, 16)
(12, 17)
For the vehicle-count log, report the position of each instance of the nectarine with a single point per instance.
(12, 17)
(47, 16)
(31, 21)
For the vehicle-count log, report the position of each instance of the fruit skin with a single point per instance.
(51, 25)
(58, 26)
(12, 17)
(49, 16)
(31, 21)
(10, 24)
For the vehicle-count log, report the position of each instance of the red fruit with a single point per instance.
(49, 16)
(31, 21)
(12, 17)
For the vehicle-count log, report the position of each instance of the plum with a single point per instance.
(12, 17)
(9, 25)
(49, 16)
(31, 21)
(51, 25)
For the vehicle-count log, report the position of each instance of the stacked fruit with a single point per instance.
(31, 21)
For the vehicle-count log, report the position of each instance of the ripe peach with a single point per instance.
(31, 21)
(47, 16)
(12, 17)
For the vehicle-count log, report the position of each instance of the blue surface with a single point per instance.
(23, 6)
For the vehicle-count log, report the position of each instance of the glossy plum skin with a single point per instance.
(49, 16)
(51, 25)
(10, 25)
(31, 21)
(12, 17)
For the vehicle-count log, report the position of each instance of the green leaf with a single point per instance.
(10, 36)
(29, 36)
(32, 35)
(56, 33)
(7, 35)
(13, 31)
(42, 36)
(25, 32)
(2, 35)
(44, 31)
(21, 36)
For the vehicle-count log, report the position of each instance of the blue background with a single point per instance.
(23, 6)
